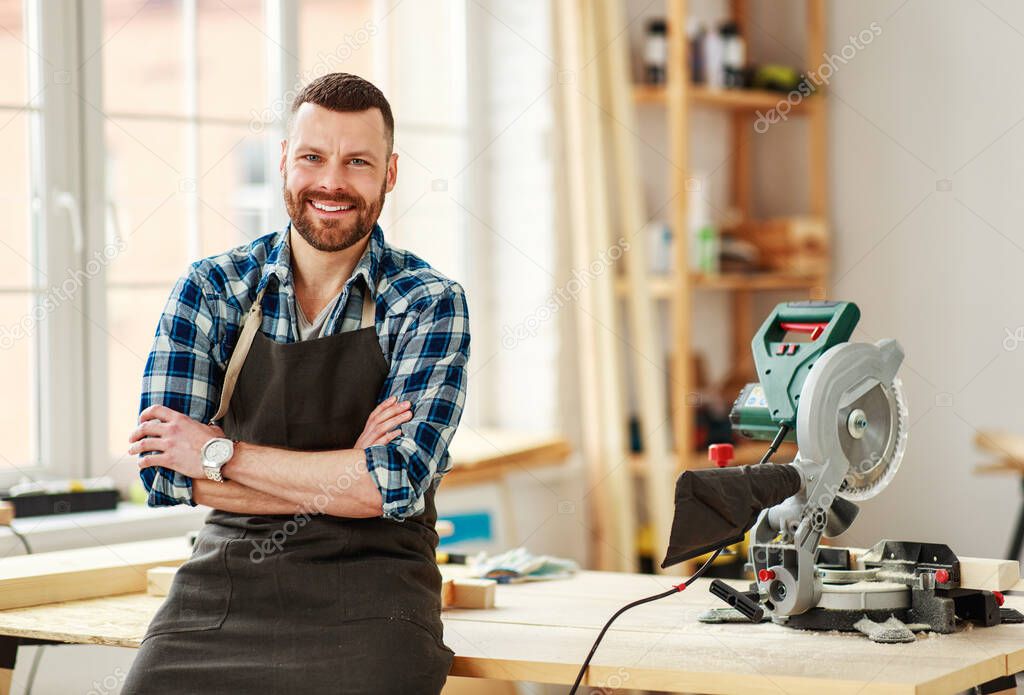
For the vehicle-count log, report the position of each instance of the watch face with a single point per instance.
(218, 451)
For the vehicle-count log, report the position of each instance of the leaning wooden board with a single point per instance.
(105, 570)
(541, 631)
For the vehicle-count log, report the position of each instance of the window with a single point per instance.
(22, 278)
(41, 249)
(400, 47)
(180, 82)
(162, 148)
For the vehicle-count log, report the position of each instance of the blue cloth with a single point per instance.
(422, 324)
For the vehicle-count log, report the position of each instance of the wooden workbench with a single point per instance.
(541, 632)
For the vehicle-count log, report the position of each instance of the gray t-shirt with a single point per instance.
(308, 330)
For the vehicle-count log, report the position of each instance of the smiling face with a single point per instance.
(337, 171)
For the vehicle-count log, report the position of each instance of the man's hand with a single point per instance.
(177, 438)
(382, 425)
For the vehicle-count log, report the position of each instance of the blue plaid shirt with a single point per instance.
(423, 329)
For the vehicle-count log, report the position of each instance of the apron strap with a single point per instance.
(250, 325)
(369, 310)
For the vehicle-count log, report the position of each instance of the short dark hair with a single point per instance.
(342, 91)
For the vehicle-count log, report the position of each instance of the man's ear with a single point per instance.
(284, 156)
(392, 172)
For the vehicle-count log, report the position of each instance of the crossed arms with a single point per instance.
(428, 349)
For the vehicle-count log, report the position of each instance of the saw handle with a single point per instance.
(813, 329)
(746, 604)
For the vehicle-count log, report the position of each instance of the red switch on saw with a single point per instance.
(721, 454)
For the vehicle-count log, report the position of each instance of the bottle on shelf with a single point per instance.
(695, 35)
(703, 236)
(734, 56)
(655, 52)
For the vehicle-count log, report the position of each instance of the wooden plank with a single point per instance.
(817, 127)
(990, 574)
(476, 447)
(484, 455)
(611, 521)
(1011, 466)
(740, 187)
(646, 354)
(444, 528)
(158, 580)
(678, 90)
(6, 513)
(28, 580)
(661, 286)
(741, 100)
(1009, 445)
(981, 573)
(447, 592)
(472, 593)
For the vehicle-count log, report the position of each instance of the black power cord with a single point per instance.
(783, 431)
(674, 590)
(24, 541)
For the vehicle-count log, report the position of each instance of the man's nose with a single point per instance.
(334, 178)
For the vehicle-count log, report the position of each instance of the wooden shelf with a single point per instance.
(734, 99)
(747, 452)
(661, 285)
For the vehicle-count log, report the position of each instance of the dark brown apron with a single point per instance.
(301, 603)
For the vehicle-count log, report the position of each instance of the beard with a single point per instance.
(333, 234)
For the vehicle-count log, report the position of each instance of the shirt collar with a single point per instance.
(279, 264)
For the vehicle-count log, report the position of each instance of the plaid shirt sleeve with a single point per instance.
(181, 374)
(428, 368)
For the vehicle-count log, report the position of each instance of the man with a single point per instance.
(306, 386)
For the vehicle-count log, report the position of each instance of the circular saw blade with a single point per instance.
(873, 436)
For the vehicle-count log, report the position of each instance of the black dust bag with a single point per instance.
(717, 506)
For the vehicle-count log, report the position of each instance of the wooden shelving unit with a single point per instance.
(661, 285)
(677, 98)
(738, 99)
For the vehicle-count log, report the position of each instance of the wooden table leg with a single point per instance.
(8, 654)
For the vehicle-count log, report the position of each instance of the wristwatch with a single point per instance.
(216, 453)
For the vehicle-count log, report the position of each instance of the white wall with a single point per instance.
(937, 96)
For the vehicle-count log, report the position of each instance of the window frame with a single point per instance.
(57, 226)
(69, 173)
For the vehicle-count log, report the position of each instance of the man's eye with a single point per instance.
(361, 161)
(307, 157)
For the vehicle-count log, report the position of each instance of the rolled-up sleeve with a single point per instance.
(181, 374)
(428, 368)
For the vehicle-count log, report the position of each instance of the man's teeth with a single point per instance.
(330, 208)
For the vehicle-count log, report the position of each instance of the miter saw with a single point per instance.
(843, 404)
